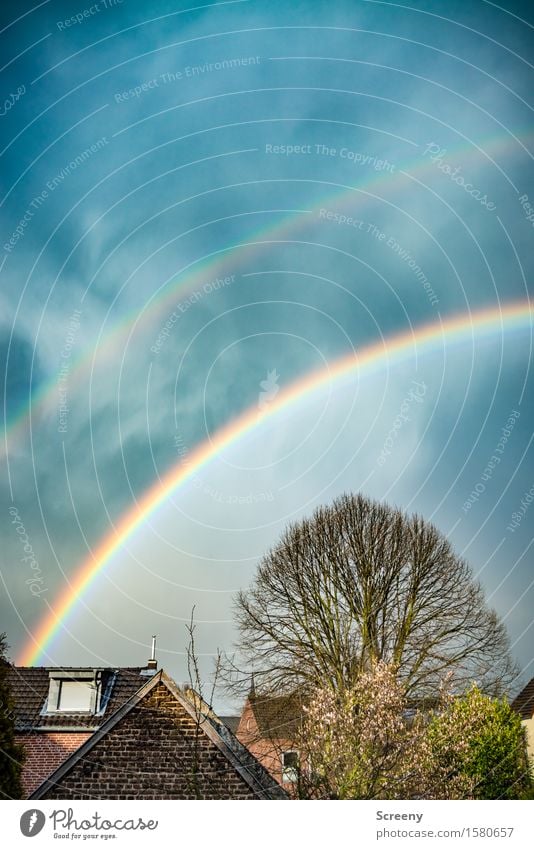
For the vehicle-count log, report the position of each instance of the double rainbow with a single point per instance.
(456, 329)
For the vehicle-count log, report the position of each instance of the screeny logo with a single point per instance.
(32, 822)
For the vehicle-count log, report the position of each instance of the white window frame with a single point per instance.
(57, 677)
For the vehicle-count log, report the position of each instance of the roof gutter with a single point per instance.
(73, 728)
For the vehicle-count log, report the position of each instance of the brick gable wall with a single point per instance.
(154, 752)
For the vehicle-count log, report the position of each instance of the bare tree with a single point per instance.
(361, 582)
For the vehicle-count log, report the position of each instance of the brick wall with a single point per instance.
(45, 751)
(153, 753)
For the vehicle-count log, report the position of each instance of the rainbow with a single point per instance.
(456, 329)
(220, 263)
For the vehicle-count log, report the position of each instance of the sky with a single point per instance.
(205, 203)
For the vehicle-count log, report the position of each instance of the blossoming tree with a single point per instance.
(365, 742)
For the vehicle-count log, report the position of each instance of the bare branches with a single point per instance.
(360, 582)
(201, 707)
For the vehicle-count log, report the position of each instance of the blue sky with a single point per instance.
(138, 144)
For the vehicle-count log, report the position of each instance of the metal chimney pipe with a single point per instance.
(152, 663)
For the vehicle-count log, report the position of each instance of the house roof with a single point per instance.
(231, 722)
(29, 689)
(524, 701)
(253, 773)
(276, 716)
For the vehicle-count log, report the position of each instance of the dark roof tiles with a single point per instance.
(277, 717)
(231, 722)
(29, 689)
(524, 702)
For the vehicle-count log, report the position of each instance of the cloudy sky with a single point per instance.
(204, 203)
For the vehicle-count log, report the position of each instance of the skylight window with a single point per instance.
(75, 696)
(74, 691)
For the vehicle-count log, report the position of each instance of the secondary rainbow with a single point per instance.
(223, 262)
(459, 328)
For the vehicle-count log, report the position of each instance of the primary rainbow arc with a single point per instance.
(453, 330)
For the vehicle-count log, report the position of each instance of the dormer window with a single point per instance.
(74, 691)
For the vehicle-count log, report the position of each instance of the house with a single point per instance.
(127, 734)
(57, 710)
(524, 705)
(268, 727)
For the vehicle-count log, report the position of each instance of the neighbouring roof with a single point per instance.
(251, 771)
(231, 722)
(524, 702)
(29, 689)
(277, 717)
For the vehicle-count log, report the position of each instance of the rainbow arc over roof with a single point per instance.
(228, 260)
(456, 329)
